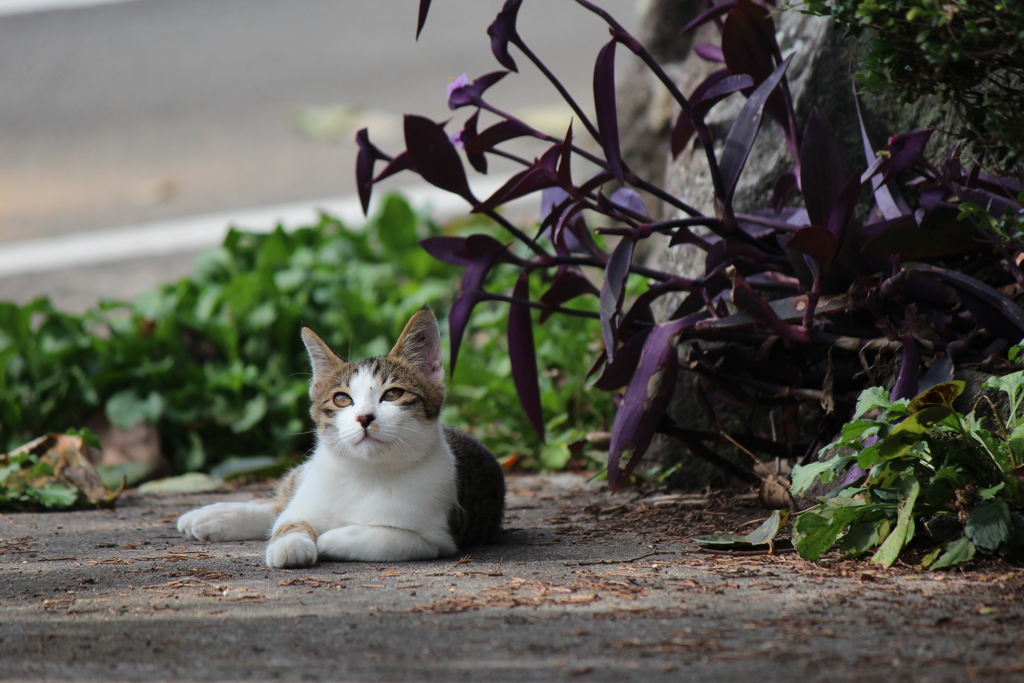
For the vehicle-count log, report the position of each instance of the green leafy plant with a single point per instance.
(968, 53)
(919, 470)
(215, 361)
(1009, 225)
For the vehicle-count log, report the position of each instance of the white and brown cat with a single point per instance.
(386, 481)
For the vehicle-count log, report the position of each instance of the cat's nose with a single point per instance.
(365, 420)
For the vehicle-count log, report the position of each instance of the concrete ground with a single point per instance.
(583, 586)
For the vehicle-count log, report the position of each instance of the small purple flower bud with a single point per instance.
(454, 84)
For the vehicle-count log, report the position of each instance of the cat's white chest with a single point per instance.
(337, 491)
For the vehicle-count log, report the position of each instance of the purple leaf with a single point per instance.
(743, 49)
(472, 292)
(707, 15)
(550, 199)
(710, 53)
(402, 162)
(434, 156)
(682, 131)
(523, 355)
(817, 243)
(422, 19)
(716, 91)
(784, 185)
(749, 47)
(939, 235)
(577, 228)
(468, 133)
(842, 208)
(747, 300)
(565, 165)
(606, 109)
(713, 89)
(992, 310)
(366, 158)
(646, 399)
(542, 175)
(631, 200)
(498, 133)
(909, 376)
(618, 372)
(887, 197)
(940, 371)
(502, 31)
(905, 150)
(472, 93)
(451, 250)
(728, 251)
(744, 130)
(615, 274)
(479, 244)
(821, 168)
(568, 284)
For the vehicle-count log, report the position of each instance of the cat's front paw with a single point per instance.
(227, 522)
(291, 550)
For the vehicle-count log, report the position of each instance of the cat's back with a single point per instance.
(481, 490)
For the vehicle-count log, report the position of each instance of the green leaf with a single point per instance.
(907, 434)
(863, 536)
(904, 531)
(989, 525)
(759, 536)
(53, 495)
(858, 428)
(990, 493)
(87, 436)
(803, 476)
(194, 482)
(871, 398)
(396, 225)
(555, 456)
(769, 528)
(956, 552)
(255, 410)
(814, 535)
(125, 409)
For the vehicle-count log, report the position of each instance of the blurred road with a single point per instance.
(125, 113)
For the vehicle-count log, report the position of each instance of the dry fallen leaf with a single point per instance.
(68, 459)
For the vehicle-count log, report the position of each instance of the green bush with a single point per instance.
(970, 54)
(919, 474)
(215, 360)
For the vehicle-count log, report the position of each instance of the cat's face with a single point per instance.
(379, 409)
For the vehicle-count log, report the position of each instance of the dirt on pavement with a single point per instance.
(584, 585)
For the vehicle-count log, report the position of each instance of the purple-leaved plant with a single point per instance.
(808, 283)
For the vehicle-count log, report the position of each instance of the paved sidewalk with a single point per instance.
(584, 586)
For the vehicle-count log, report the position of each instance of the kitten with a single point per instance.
(386, 481)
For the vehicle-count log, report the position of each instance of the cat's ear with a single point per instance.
(420, 346)
(321, 356)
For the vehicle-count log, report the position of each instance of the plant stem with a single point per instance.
(519, 234)
(489, 296)
(518, 42)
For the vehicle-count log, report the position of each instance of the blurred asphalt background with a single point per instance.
(158, 122)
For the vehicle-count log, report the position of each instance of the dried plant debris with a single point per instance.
(52, 472)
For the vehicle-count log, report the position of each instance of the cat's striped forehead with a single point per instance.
(378, 369)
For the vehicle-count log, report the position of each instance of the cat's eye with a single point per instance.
(392, 394)
(342, 400)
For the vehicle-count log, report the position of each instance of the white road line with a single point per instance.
(29, 6)
(196, 233)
